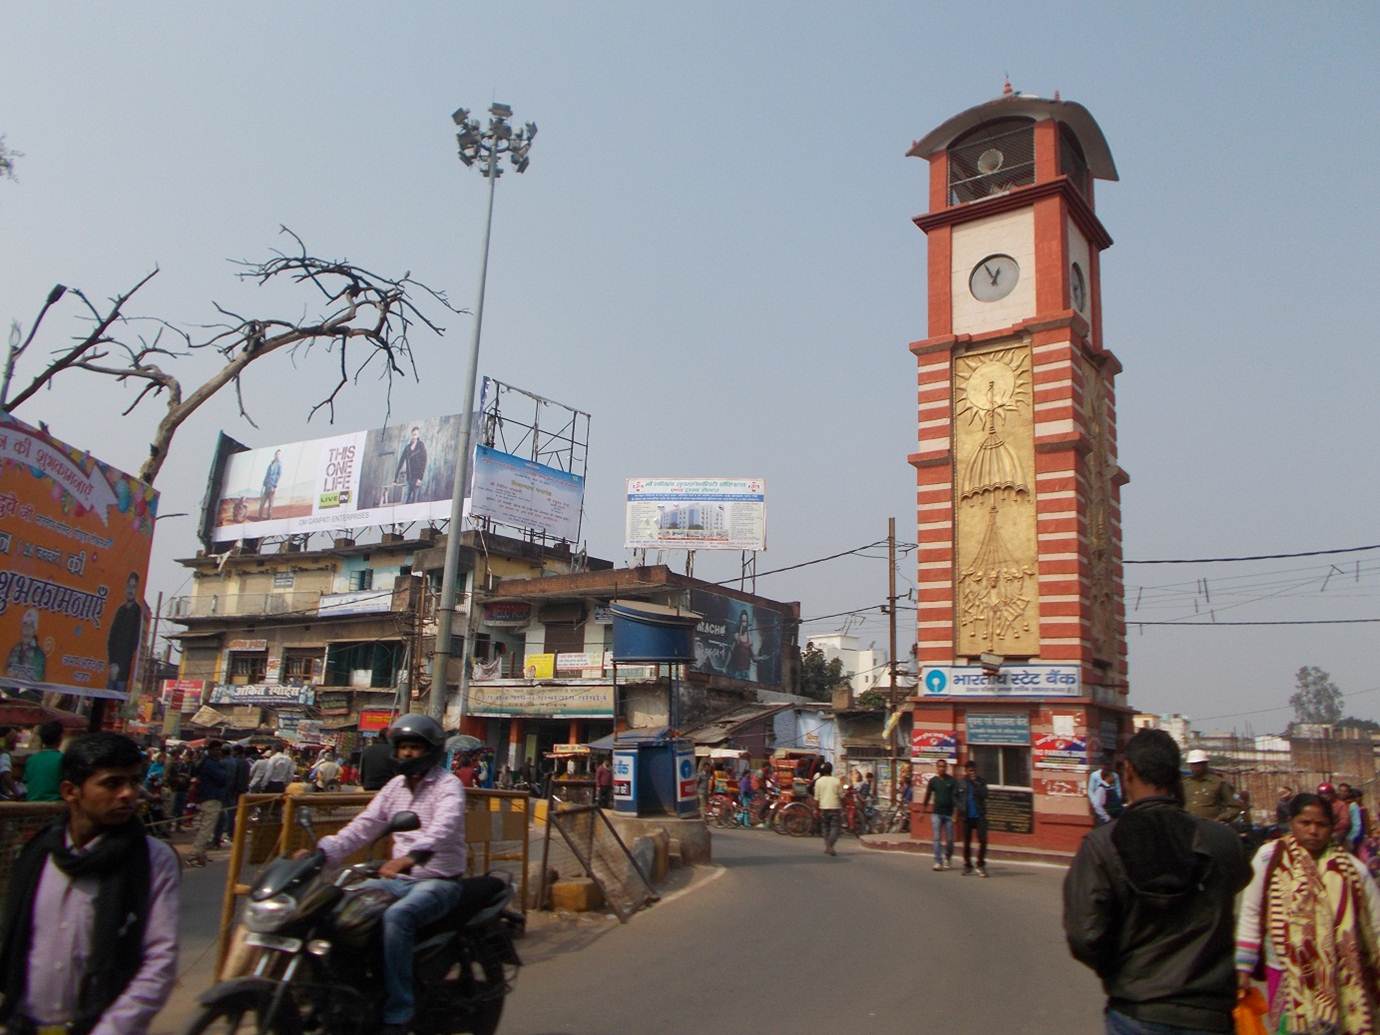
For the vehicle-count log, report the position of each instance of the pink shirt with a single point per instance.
(439, 802)
(64, 911)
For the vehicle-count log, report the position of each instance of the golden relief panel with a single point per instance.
(994, 522)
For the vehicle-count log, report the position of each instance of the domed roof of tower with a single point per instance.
(1021, 105)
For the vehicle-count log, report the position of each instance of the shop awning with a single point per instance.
(30, 713)
(630, 738)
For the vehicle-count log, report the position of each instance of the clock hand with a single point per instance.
(987, 269)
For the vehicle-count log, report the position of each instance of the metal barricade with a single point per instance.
(492, 818)
(19, 821)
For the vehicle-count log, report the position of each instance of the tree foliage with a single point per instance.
(1317, 699)
(1351, 722)
(875, 699)
(818, 675)
(358, 318)
(8, 156)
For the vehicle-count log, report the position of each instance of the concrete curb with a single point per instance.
(892, 843)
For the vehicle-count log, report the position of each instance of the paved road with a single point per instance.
(786, 939)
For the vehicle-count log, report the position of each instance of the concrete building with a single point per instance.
(1020, 620)
(864, 666)
(550, 679)
(341, 637)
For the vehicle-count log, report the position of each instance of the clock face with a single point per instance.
(994, 277)
(1078, 288)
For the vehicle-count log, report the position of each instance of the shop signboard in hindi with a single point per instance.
(557, 702)
(75, 535)
(1013, 681)
(356, 602)
(333, 704)
(374, 720)
(507, 614)
(998, 728)
(1055, 752)
(933, 744)
(263, 695)
(247, 646)
(183, 695)
(575, 663)
(696, 514)
(524, 494)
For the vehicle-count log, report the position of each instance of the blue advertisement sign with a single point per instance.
(625, 780)
(998, 728)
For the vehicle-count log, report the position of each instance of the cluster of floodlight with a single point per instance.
(489, 145)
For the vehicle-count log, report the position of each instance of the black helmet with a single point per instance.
(415, 726)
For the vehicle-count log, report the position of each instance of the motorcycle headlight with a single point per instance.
(270, 914)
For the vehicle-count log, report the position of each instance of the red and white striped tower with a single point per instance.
(1021, 621)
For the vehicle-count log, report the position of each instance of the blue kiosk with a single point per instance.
(653, 769)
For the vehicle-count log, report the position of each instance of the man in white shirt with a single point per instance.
(829, 796)
(275, 775)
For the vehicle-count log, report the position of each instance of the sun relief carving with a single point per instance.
(996, 515)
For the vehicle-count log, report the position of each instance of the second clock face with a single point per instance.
(1078, 288)
(994, 277)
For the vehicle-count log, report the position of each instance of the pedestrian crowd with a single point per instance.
(1196, 920)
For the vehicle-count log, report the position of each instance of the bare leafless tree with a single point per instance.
(362, 320)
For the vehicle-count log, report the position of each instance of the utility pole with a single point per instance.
(891, 656)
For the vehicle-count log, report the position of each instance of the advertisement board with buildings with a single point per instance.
(74, 554)
(404, 472)
(738, 639)
(696, 514)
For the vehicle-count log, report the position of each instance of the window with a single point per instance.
(1002, 766)
(992, 159)
(301, 665)
(373, 665)
(248, 667)
(564, 638)
(361, 580)
(1071, 161)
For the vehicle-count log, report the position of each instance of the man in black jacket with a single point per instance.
(1148, 903)
(970, 805)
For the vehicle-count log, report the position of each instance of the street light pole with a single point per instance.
(486, 146)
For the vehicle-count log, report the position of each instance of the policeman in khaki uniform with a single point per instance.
(1207, 795)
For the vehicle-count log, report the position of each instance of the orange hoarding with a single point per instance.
(75, 536)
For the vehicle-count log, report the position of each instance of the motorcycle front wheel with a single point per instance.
(244, 1016)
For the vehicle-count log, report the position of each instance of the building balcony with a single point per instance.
(284, 603)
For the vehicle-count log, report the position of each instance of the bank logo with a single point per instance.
(936, 681)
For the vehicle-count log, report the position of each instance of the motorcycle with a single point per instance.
(319, 959)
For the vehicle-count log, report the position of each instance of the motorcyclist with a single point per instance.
(426, 861)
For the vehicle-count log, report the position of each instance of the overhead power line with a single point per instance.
(1257, 557)
(1287, 621)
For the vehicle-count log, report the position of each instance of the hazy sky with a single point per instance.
(712, 253)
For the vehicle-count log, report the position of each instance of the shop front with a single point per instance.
(1035, 752)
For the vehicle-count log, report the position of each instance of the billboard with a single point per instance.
(75, 535)
(526, 494)
(696, 514)
(402, 473)
(737, 639)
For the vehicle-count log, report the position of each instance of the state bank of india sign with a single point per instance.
(1007, 681)
(557, 702)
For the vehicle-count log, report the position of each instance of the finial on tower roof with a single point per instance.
(1006, 90)
(1056, 96)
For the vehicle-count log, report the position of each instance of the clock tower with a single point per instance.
(1021, 620)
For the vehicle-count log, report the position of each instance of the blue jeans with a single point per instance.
(943, 827)
(419, 903)
(1120, 1024)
